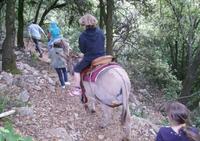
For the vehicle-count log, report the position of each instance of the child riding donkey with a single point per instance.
(106, 82)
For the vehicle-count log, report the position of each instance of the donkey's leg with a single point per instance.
(91, 105)
(107, 113)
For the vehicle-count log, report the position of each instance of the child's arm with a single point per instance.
(81, 45)
(41, 30)
(48, 35)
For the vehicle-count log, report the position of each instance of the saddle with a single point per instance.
(102, 60)
(98, 65)
(92, 72)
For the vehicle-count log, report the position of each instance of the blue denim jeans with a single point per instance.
(62, 74)
(37, 48)
(81, 65)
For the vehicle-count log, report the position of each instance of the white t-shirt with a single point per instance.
(35, 31)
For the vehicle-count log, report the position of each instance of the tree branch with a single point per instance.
(7, 113)
(52, 6)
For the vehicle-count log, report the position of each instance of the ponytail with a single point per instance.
(191, 133)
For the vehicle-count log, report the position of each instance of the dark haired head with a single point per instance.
(177, 113)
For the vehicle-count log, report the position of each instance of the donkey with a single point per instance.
(111, 89)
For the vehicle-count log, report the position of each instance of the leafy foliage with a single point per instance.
(34, 58)
(155, 40)
(7, 133)
(197, 121)
(3, 103)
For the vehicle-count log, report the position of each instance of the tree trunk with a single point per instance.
(102, 14)
(2, 11)
(37, 12)
(20, 35)
(109, 27)
(190, 77)
(192, 65)
(43, 16)
(182, 69)
(8, 56)
(176, 54)
(171, 47)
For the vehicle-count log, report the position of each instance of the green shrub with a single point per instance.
(8, 134)
(158, 73)
(197, 121)
(137, 113)
(34, 57)
(195, 116)
(3, 103)
(164, 122)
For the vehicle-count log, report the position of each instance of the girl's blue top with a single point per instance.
(54, 30)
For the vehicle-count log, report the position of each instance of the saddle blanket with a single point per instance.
(92, 76)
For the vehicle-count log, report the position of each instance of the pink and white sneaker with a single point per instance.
(76, 91)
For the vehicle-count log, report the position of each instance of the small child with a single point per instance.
(58, 62)
(178, 116)
(54, 34)
(35, 31)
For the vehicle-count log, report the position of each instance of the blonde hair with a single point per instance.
(88, 20)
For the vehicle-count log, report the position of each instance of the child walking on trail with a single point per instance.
(179, 129)
(35, 31)
(57, 52)
(54, 34)
(58, 62)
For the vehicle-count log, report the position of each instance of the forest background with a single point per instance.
(156, 41)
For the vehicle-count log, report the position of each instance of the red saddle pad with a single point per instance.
(92, 76)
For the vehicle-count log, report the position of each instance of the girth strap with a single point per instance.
(113, 103)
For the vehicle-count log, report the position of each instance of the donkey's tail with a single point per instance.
(125, 95)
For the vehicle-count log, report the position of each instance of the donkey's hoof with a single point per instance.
(102, 126)
(93, 111)
(125, 139)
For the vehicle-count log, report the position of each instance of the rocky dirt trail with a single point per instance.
(51, 114)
